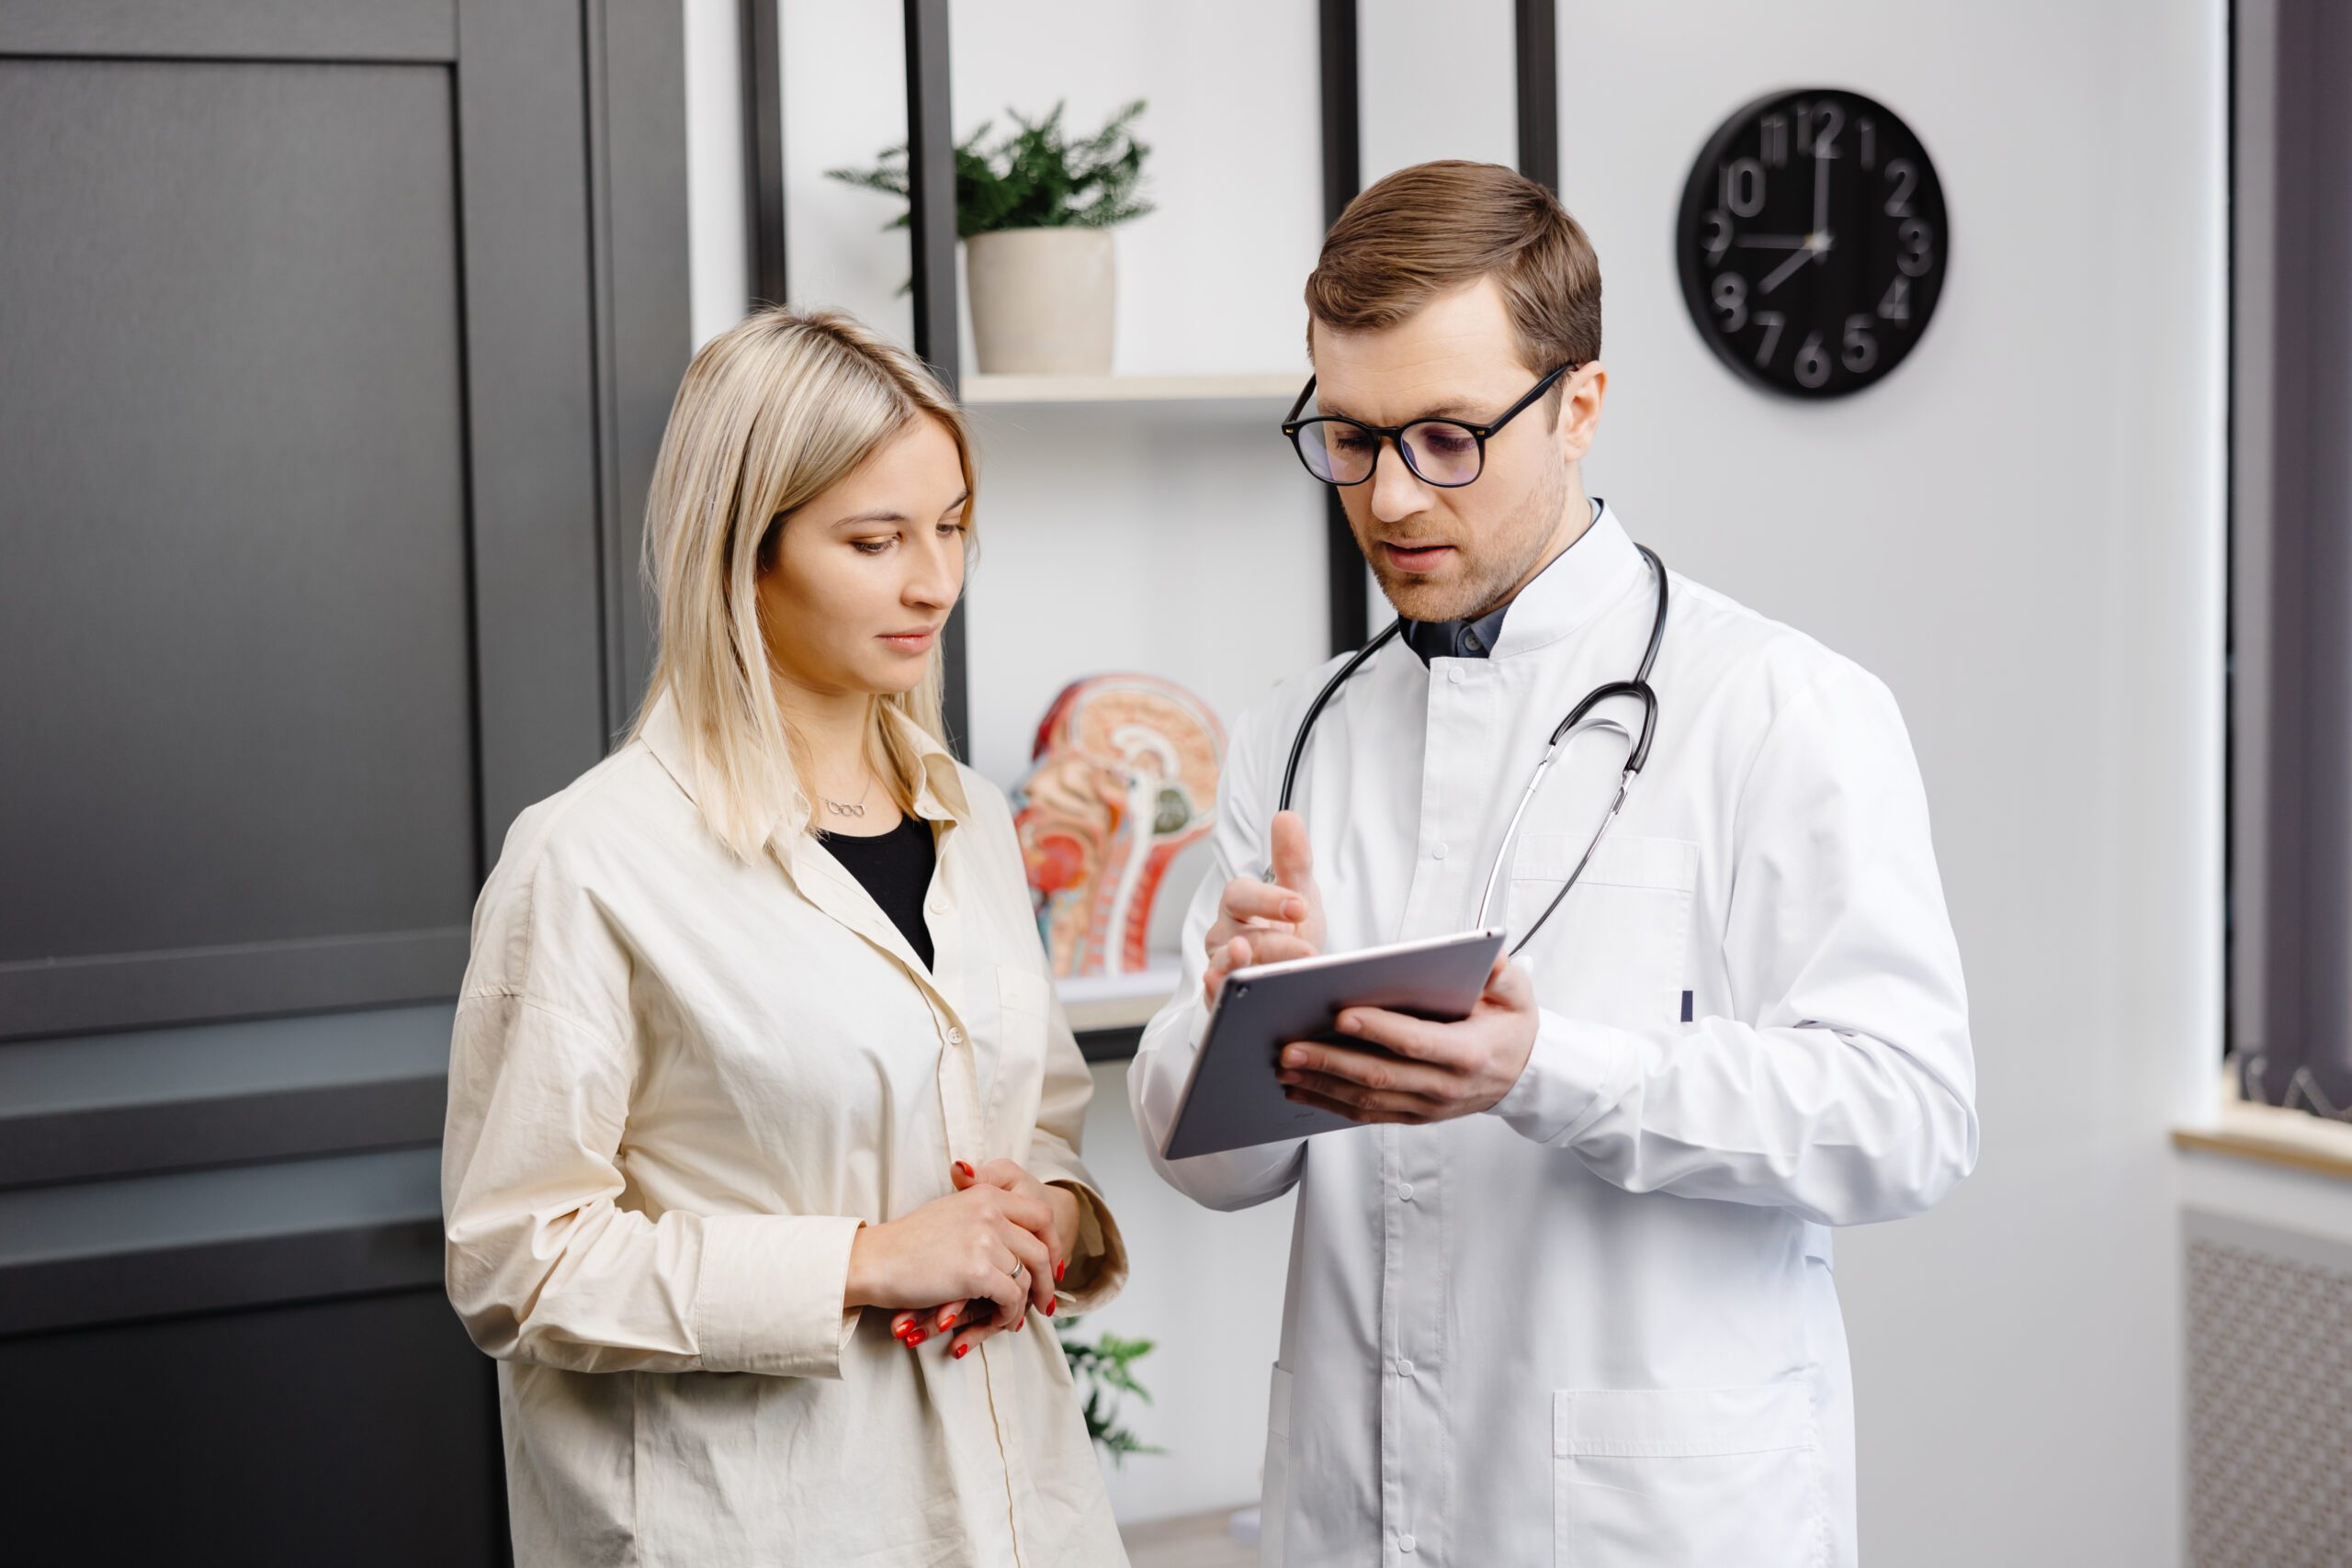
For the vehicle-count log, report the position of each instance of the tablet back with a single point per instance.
(1232, 1101)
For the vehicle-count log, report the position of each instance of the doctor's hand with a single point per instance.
(1264, 922)
(1446, 1069)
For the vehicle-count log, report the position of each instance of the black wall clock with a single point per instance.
(1812, 241)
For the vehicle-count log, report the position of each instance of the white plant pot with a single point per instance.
(1043, 301)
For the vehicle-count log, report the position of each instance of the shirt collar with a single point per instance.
(1574, 586)
(939, 798)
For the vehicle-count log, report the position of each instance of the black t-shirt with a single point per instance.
(895, 868)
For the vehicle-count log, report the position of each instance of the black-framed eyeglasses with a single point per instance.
(1447, 453)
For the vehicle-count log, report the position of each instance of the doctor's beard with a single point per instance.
(1490, 566)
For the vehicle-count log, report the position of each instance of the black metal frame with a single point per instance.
(761, 41)
(1346, 583)
(1537, 72)
(931, 185)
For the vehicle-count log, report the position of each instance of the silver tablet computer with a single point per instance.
(1232, 1100)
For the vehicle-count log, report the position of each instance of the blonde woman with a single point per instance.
(762, 1175)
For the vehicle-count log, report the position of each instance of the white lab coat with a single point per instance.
(1598, 1325)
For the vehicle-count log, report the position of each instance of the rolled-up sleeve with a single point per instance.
(544, 1263)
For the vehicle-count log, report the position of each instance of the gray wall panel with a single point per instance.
(530, 346)
(351, 1433)
(643, 189)
(271, 29)
(230, 459)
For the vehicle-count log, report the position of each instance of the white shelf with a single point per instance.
(1279, 386)
(1118, 1001)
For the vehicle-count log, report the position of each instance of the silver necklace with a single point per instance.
(855, 809)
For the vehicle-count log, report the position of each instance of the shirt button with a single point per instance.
(1405, 1368)
(955, 1037)
(1437, 850)
(1406, 1543)
(1405, 1192)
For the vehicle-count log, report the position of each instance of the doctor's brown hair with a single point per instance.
(1433, 227)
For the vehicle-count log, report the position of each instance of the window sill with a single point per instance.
(2292, 1140)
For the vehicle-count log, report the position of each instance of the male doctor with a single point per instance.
(1565, 1295)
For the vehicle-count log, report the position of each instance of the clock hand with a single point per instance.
(1781, 273)
(1777, 242)
(1820, 195)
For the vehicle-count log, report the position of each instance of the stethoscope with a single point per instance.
(1638, 688)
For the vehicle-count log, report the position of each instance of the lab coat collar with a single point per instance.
(940, 797)
(1581, 582)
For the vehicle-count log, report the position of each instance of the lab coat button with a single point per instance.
(1405, 1368)
(1437, 850)
(1405, 1192)
(1406, 1543)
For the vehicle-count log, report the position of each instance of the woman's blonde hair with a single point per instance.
(771, 413)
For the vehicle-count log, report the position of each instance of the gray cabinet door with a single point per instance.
(316, 481)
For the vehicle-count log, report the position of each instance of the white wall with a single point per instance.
(2019, 530)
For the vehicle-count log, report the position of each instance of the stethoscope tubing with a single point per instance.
(1638, 689)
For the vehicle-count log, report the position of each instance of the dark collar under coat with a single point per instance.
(1474, 638)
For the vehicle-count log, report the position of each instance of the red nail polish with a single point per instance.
(961, 1348)
(1059, 1269)
(1054, 1307)
(917, 1338)
(964, 1169)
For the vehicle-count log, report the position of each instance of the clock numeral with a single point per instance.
(1773, 141)
(1771, 321)
(1812, 362)
(1804, 112)
(1824, 140)
(1744, 187)
(1896, 305)
(1861, 350)
(1917, 240)
(1906, 180)
(1868, 134)
(1731, 299)
(1719, 233)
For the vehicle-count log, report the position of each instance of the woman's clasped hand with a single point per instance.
(969, 1264)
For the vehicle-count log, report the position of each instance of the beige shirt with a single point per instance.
(678, 1085)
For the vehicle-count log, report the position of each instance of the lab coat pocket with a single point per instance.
(1615, 951)
(1274, 1491)
(1687, 1478)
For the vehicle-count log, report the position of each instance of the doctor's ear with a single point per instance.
(1581, 395)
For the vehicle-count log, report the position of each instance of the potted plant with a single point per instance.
(1105, 1368)
(1035, 210)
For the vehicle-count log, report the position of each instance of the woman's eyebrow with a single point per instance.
(892, 514)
